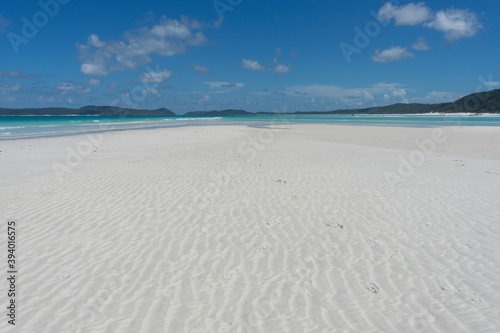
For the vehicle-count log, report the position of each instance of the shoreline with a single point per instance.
(47, 129)
(54, 152)
(312, 113)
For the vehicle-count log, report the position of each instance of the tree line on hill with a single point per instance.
(483, 102)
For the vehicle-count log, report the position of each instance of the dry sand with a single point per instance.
(308, 228)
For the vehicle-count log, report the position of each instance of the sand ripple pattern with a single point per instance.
(305, 236)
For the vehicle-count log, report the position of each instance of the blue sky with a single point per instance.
(253, 55)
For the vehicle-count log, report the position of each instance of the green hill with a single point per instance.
(483, 102)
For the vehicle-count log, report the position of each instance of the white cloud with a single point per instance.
(400, 95)
(173, 28)
(455, 23)
(71, 101)
(167, 38)
(252, 65)
(492, 84)
(67, 86)
(225, 85)
(198, 39)
(155, 77)
(94, 82)
(93, 40)
(114, 85)
(399, 92)
(420, 45)
(410, 14)
(281, 69)
(94, 69)
(391, 54)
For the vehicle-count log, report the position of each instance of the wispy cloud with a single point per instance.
(391, 54)
(437, 97)
(167, 38)
(94, 82)
(492, 84)
(18, 75)
(316, 90)
(66, 87)
(202, 70)
(224, 85)
(42, 99)
(420, 45)
(155, 77)
(8, 88)
(254, 65)
(10, 99)
(323, 95)
(202, 100)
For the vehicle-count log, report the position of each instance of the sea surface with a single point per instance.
(22, 127)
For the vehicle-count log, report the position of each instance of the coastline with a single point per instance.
(307, 227)
(27, 127)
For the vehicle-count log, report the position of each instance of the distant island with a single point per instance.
(483, 102)
(85, 111)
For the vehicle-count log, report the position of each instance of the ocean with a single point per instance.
(23, 127)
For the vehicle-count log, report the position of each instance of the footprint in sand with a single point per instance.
(63, 276)
(395, 255)
(475, 299)
(336, 226)
(370, 287)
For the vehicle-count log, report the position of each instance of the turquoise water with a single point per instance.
(47, 126)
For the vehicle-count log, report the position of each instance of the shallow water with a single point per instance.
(21, 127)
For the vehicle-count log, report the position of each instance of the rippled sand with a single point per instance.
(307, 228)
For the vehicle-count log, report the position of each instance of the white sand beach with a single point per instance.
(296, 228)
